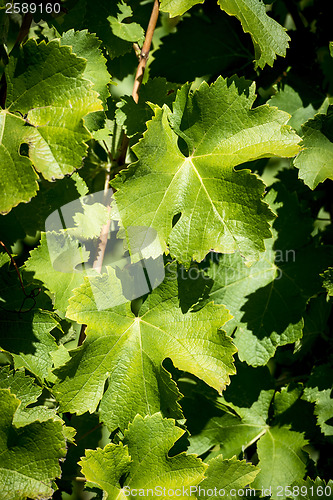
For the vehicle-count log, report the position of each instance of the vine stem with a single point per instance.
(144, 54)
(15, 265)
(143, 57)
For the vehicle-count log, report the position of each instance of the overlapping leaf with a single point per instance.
(269, 37)
(177, 7)
(315, 162)
(197, 201)
(47, 99)
(228, 477)
(27, 338)
(143, 463)
(310, 489)
(30, 454)
(318, 390)
(128, 351)
(277, 282)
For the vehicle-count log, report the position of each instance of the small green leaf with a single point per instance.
(281, 460)
(228, 477)
(27, 338)
(310, 489)
(269, 37)
(145, 460)
(29, 459)
(315, 162)
(177, 7)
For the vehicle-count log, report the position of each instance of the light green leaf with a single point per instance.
(269, 37)
(310, 489)
(219, 208)
(29, 459)
(315, 162)
(128, 351)
(145, 459)
(318, 390)
(86, 45)
(52, 125)
(227, 476)
(287, 99)
(177, 7)
(281, 460)
(19, 384)
(61, 284)
(249, 397)
(103, 468)
(234, 433)
(28, 340)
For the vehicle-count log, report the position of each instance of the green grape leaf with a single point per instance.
(196, 201)
(86, 45)
(287, 99)
(146, 462)
(234, 433)
(256, 295)
(318, 390)
(328, 280)
(128, 351)
(177, 7)
(310, 489)
(249, 396)
(227, 477)
(19, 384)
(52, 123)
(105, 19)
(60, 284)
(28, 340)
(281, 460)
(315, 161)
(269, 37)
(29, 459)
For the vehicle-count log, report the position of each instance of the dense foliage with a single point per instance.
(195, 359)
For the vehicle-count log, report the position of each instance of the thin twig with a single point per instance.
(16, 268)
(145, 51)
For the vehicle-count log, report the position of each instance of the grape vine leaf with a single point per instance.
(144, 459)
(287, 99)
(30, 454)
(86, 45)
(106, 20)
(28, 340)
(219, 208)
(249, 397)
(255, 296)
(310, 489)
(128, 351)
(230, 476)
(46, 86)
(318, 390)
(281, 459)
(315, 161)
(59, 283)
(328, 280)
(177, 7)
(269, 37)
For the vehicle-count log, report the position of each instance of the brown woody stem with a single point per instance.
(145, 51)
